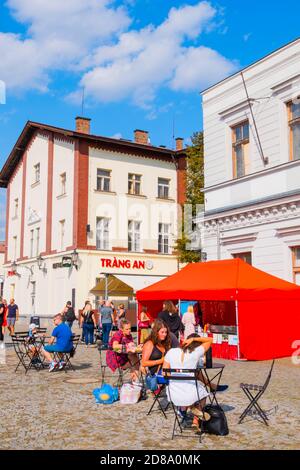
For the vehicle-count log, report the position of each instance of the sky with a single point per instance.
(137, 63)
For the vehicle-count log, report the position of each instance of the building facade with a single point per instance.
(252, 165)
(2, 274)
(81, 208)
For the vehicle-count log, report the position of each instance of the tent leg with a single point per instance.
(237, 330)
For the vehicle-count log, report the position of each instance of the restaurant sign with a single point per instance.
(126, 263)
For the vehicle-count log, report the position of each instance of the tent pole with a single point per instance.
(237, 326)
(137, 320)
(238, 331)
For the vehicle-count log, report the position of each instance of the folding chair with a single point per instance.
(156, 404)
(253, 398)
(26, 358)
(66, 356)
(187, 375)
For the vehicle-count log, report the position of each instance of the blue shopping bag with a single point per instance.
(106, 394)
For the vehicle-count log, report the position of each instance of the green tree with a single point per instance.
(194, 195)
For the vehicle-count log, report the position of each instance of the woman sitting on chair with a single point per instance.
(188, 394)
(156, 346)
(122, 351)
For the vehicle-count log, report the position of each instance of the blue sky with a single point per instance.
(141, 63)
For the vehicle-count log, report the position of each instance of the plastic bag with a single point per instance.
(130, 394)
(106, 394)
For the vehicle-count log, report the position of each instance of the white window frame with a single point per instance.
(37, 172)
(134, 184)
(37, 231)
(63, 183)
(103, 180)
(164, 238)
(134, 236)
(16, 208)
(102, 233)
(62, 234)
(163, 188)
(31, 242)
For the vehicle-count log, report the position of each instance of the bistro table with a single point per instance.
(214, 377)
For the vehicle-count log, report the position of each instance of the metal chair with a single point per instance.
(191, 375)
(253, 398)
(65, 357)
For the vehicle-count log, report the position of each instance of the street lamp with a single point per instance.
(39, 261)
(75, 258)
(203, 256)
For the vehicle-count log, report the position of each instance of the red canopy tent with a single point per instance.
(267, 309)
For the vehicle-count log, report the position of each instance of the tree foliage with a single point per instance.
(194, 195)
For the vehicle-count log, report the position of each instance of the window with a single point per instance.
(134, 235)
(294, 125)
(37, 173)
(15, 240)
(37, 242)
(163, 188)
(63, 180)
(164, 238)
(240, 149)
(33, 293)
(103, 180)
(31, 243)
(247, 256)
(296, 264)
(134, 184)
(102, 233)
(16, 208)
(62, 234)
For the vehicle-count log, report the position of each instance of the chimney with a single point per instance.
(83, 125)
(141, 137)
(179, 143)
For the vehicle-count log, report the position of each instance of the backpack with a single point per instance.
(217, 424)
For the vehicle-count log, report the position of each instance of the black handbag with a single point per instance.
(217, 424)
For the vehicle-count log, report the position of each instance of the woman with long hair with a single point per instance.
(188, 393)
(170, 316)
(144, 325)
(156, 346)
(188, 321)
(88, 323)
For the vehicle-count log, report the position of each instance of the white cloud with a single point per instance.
(60, 34)
(92, 39)
(199, 66)
(153, 57)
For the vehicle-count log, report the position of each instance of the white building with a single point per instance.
(81, 208)
(2, 274)
(252, 165)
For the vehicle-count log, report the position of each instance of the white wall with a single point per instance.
(224, 106)
(62, 206)
(121, 207)
(36, 194)
(14, 228)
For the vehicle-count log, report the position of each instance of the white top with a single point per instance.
(184, 393)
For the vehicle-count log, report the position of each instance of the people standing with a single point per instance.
(88, 323)
(68, 314)
(171, 317)
(107, 320)
(144, 325)
(12, 316)
(2, 309)
(4, 324)
(121, 313)
(189, 322)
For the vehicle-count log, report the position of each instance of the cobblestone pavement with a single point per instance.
(43, 410)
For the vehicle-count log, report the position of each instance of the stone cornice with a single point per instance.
(251, 218)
